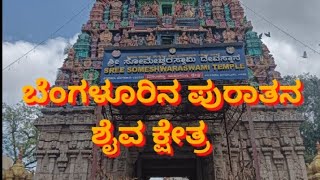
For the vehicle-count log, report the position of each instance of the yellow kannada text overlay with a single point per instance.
(209, 96)
(163, 137)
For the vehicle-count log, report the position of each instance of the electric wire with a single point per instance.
(51, 35)
(277, 27)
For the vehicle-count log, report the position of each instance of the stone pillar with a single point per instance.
(85, 166)
(39, 156)
(300, 152)
(288, 156)
(267, 152)
(218, 162)
(234, 160)
(73, 154)
(278, 160)
(52, 154)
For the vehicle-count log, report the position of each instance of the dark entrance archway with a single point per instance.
(184, 163)
(167, 168)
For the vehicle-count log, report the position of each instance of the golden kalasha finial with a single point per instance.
(17, 171)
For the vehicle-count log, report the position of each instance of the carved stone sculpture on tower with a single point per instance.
(207, 8)
(184, 39)
(217, 37)
(275, 75)
(151, 39)
(195, 39)
(217, 10)
(229, 36)
(189, 11)
(260, 72)
(155, 8)
(116, 10)
(178, 8)
(125, 41)
(105, 41)
(201, 13)
(71, 54)
(82, 46)
(117, 39)
(96, 13)
(216, 3)
(209, 37)
(240, 34)
(146, 9)
(134, 40)
(237, 12)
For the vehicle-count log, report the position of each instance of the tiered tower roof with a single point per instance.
(145, 23)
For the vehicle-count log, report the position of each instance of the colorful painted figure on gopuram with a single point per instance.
(187, 132)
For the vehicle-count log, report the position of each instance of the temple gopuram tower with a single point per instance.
(189, 40)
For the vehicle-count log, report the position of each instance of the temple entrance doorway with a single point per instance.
(148, 168)
(184, 164)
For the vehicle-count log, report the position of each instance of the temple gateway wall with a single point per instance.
(65, 150)
(248, 139)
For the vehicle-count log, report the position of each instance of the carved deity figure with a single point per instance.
(275, 75)
(128, 41)
(106, 37)
(184, 39)
(141, 41)
(132, 9)
(209, 37)
(249, 61)
(189, 11)
(151, 39)
(217, 9)
(178, 8)
(195, 39)
(271, 61)
(134, 40)
(260, 70)
(216, 3)
(104, 1)
(71, 54)
(123, 40)
(116, 5)
(201, 13)
(105, 40)
(117, 39)
(146, 9)
(265, 49)
(229, 36)
(91, 78)
(116, 9)
(155, 8)
(240, 34)
(217, 37)
(61, 76)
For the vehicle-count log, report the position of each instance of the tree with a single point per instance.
(310, 128)
(19, 132)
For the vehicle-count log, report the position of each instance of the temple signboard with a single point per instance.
(216, 63)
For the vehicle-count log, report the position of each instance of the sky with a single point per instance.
(26, 23)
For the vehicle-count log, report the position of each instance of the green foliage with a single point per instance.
(310, 129)
(19, 132)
